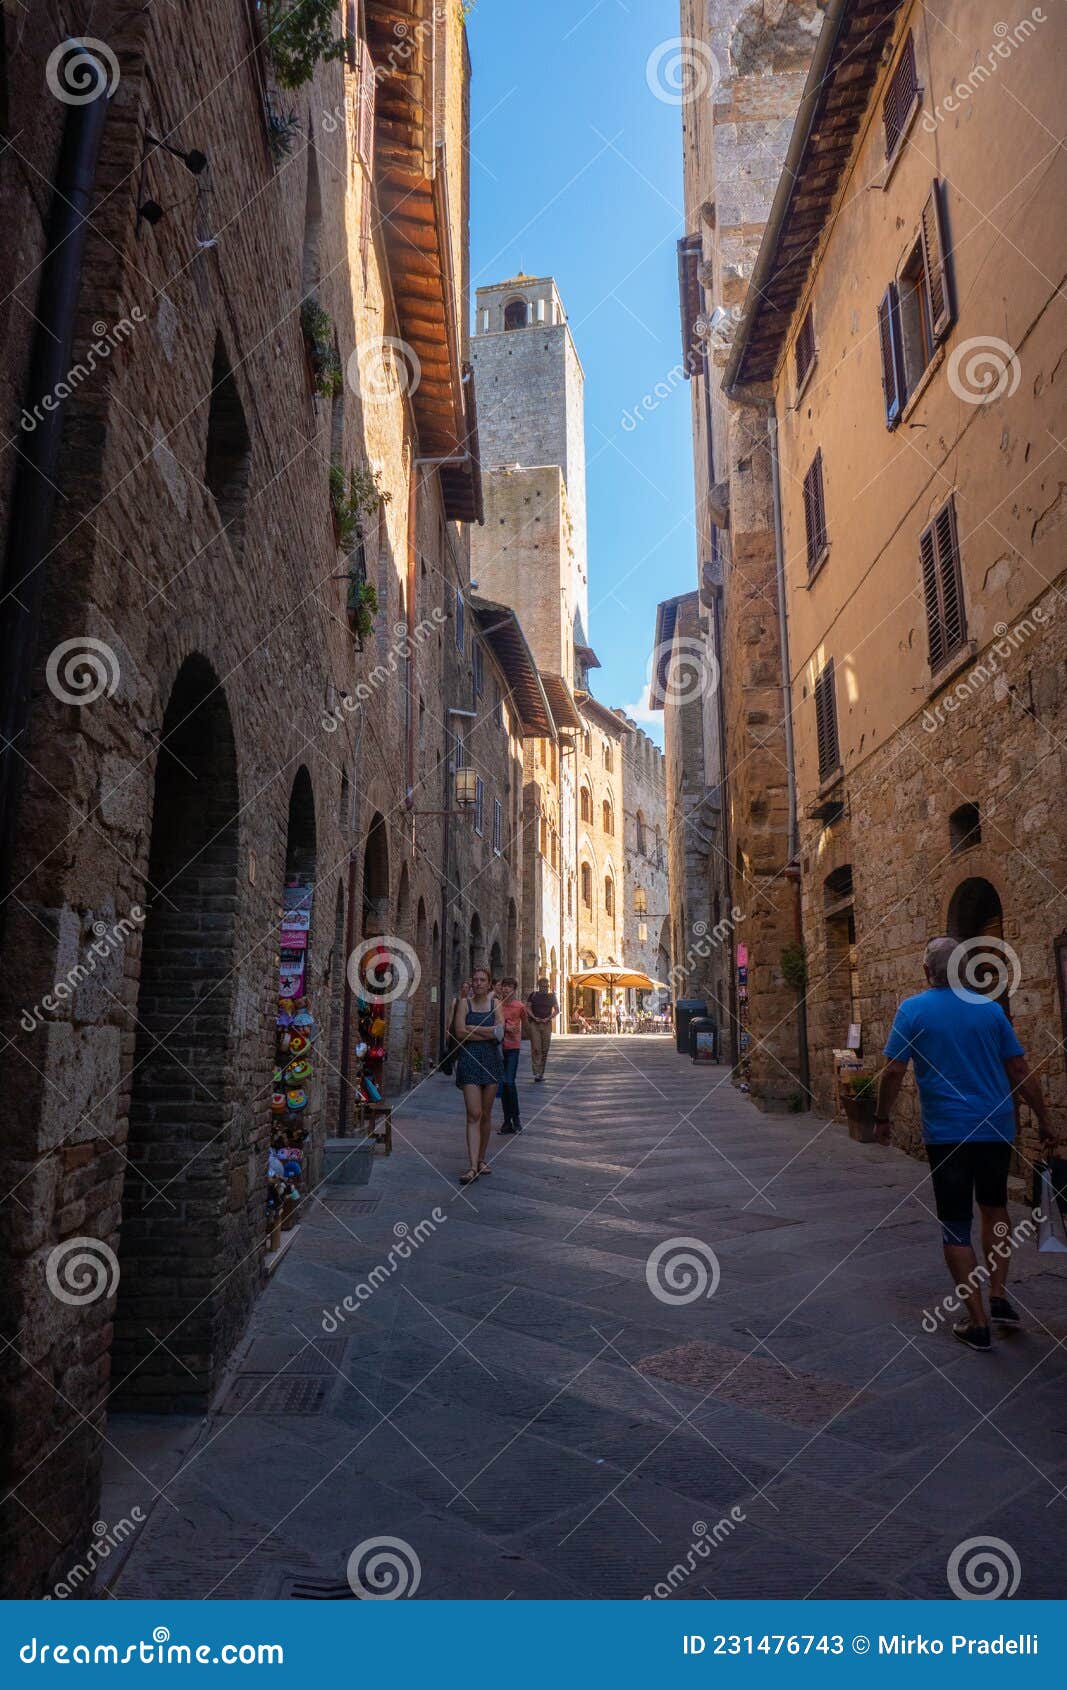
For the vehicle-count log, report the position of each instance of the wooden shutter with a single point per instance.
(939, 557)
(826, 722)
(892, 362)
(937, 279)
(815, 511)
(365, 101)
(900, 94)
(805, 347)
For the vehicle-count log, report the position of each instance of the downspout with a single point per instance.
(728, 880)
(409, 665)
(793, 866)
(33, 492)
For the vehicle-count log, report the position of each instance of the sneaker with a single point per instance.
(975, 1337)
(1003, 1312)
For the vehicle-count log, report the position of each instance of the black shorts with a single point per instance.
(966, 1173)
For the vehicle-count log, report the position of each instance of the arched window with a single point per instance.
(515, 314)
(640, 901)
(587, 744)
(609, 895)
(585, 804)
(608, 816)
(642, 834)
(609, 760)
(587, 886)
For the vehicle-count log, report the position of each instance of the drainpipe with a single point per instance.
(793, 866)
(730, 1005)
(34, 491)
(409, 663)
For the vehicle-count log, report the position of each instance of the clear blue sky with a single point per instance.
(576, 173)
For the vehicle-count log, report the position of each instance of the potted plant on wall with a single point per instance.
(324, 366)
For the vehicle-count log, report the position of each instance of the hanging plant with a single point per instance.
(328, 378)
(298, 34)
(353, 497)
(282, 130)
(362, 605)
(795, 966)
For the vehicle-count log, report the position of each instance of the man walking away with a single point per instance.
(543, 1009)
(969, 1067)
(513, 1011)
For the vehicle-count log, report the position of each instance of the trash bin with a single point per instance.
(704, 1039)
(684, 1011)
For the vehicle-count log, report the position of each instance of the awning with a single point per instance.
(562, 702)
(502, 632)
(606, 978)
(414, 218)
(461, 481)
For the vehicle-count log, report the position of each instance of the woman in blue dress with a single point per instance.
(478, 1027)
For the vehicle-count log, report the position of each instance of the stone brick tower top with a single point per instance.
(531, 404)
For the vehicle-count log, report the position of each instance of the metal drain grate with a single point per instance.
(291, 1393)
(316, 1590)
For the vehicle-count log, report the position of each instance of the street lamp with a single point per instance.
(466, 788)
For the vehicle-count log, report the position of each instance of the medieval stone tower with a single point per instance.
(532, 551)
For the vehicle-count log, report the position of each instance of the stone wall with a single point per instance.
(194, 542)
(647, 940)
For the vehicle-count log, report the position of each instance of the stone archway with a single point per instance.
(376, 878)
(176, 1188)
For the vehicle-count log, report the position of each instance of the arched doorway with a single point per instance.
(975, 911)
(176, 1187)
(496, 960)
(376, 878)
(512, 947)
(476, 957)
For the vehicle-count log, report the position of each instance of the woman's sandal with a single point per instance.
(469, 1177)
(484, 1168)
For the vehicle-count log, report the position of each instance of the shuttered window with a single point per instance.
(938, 281)
(917, 309)
(939, 556)
(804, 351)
(826, 722)
(900, 94)
(892, 366)
(365, 103)
(815, 513)
(498, 825)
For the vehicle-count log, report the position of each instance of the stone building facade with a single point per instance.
(599, 852)
(913, 346)
(746, 69)
(531, 554)
(243, 384)
(647, 942)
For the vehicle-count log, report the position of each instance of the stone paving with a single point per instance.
(520, 1409)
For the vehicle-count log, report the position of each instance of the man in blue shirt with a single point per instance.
(969, 1067)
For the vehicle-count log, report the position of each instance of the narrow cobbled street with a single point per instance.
(528, 1405)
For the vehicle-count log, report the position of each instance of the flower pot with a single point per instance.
(859, 1112)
